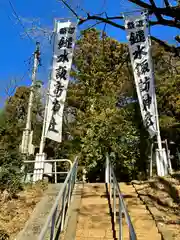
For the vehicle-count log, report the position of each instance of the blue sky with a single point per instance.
(15, 50)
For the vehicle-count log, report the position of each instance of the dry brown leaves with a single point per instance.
(162, 196)
(15, 212)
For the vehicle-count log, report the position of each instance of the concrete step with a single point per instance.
(142, 220)
(35, 223)
(94, 220)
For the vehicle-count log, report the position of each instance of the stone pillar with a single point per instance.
(39, 166)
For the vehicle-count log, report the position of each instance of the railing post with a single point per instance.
(57, 216)
(76, 169)
(55, 170)
(69, 189)
(120, 220)
(113, 189)
(107, 170)
(53, 225)
(63, 209)
(114, 201)
(110, 182)
(74, 177)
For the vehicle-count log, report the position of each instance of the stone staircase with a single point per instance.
(161, 195)
(142, 220)
(94, 216)
(94, 220)
(90, 216)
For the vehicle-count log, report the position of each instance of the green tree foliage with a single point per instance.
(167, 76)
(101, 76)
(12, 122)
(10, 175)
(99, 122)
(13, 118)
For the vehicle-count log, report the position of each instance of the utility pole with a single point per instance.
(26, 146)
(41, 157)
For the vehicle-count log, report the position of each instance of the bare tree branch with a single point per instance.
(70, 8)
(11, 87)
(159, 12)
(164, 22)
(104, 20)
(167, 3)
(173, 12)
(92, 26)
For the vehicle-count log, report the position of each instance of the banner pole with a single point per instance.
(41, 156)
(141, 61)
(159, 162)
(42, 142)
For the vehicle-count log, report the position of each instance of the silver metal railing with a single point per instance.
(54, 162)
(116, 196)
(57, 216)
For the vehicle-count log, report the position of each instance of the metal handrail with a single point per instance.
(114, 191)
(56, 218)
(53, 161)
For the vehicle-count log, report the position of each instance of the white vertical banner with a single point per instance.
(64, 42)
(139, 48)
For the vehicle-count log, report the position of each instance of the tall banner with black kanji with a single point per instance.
(141, 60)
(64, 42)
